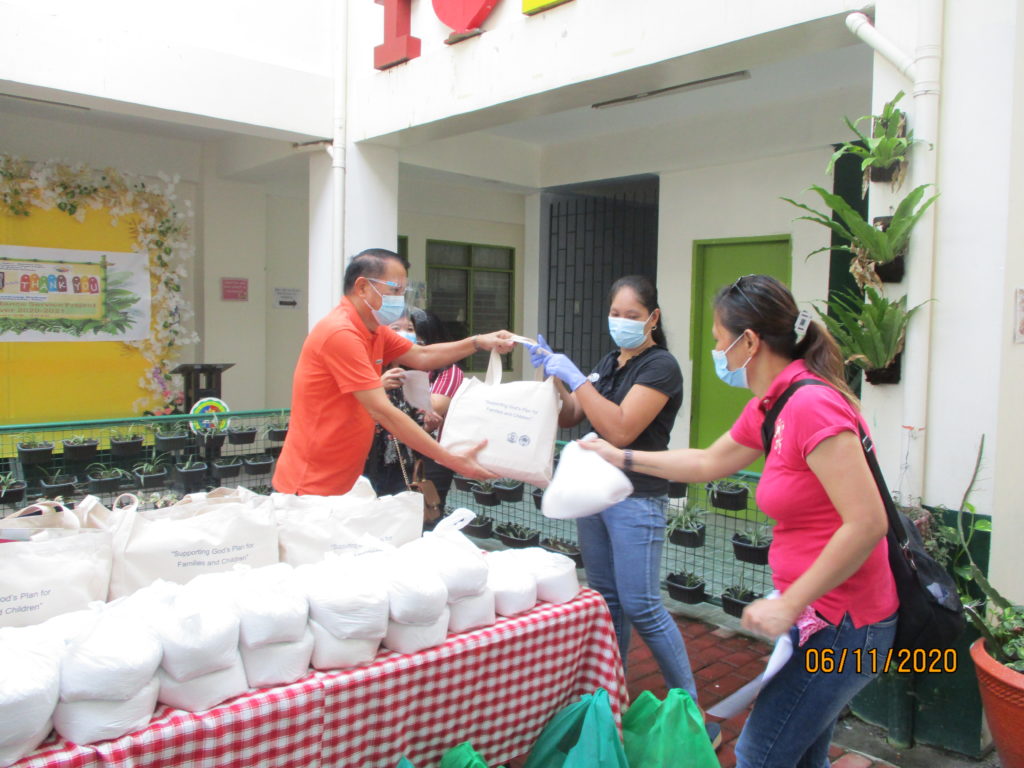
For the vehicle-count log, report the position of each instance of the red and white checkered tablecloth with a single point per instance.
(496, 687)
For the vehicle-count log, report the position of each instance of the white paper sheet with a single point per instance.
(416, 387)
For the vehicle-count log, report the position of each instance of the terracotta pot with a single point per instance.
(1002, 696)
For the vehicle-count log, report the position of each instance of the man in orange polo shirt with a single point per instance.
(337, 394)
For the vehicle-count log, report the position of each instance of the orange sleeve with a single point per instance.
(346, 358)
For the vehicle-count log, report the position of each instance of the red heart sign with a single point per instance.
(463, 15)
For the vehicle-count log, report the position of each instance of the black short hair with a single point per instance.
(429, 327)
(369, 263)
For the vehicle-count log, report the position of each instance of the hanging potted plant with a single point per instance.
(170, 436)
(152, 472)
(480, 527)
(104, 478)
(258, 463)
(686, 528)
(868, 244)
(751, 544)
(676, 490)
(80, 448)
(728, 494)
(883, 154)
(241, 434)
(57, 483)
(508, 489)
(226, 467)
(126, 440)
(517, 536)
(484, 494)
(563, 547)
(33, 451)
(686, 587)
(870, 332)
(191, 472)
(463, 483)
(277, 428)
(736, 598)
(538, 496)
(12, 490)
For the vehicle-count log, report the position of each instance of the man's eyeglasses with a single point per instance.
(738, 288)
(395, 289)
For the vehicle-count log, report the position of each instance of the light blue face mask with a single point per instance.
(736, 378)
(626, 333)
(391, 307)
(407, 335)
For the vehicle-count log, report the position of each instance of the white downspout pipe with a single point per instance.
(337, 149)
(925, 71)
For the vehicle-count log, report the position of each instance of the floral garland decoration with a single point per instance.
(159, 228)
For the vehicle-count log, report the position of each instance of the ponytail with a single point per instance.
(821, 354)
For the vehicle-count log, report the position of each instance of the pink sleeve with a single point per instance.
(817, 413)
(746, 430)
(447, 382)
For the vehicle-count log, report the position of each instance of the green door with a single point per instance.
(717, 263)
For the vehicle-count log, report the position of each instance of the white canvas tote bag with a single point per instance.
(519, 420)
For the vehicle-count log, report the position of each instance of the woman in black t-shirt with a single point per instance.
(631, 399)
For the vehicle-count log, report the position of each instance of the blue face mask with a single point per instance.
(391, 308)
(407, 335)
(737, 378)
(626, 333)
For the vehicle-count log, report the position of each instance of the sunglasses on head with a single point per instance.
(739, 289)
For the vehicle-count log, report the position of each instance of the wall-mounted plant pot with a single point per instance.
(486, 498)
(686, 538)
(154, 480)
(888, 375)
(676, 490)
(277, 434)
(573, 554)
(512, 492)
(879, 174)
(462, 483)
(734, 500)
(891, 271)
(213, 442)
(61, 485)
(193, 477)
(538, 495)
(104, 484)
(242, 436)
(168, 443)
(683, 593)
(479, 529)
(735, 607)
(225, 471)
(84, 451)
(258, 465)
(517, 543)
(129, 447)
(748, 553)
(38, 455)
(14, 493)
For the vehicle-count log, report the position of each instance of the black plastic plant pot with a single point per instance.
(734, 607)
(154, 480)
(168, 443)
(274, 450)
(242, 436)
(277, 434)
(193, 476)
(682, 537)
(85, 451)
(574, 554)
(517, 543)
(676, 490)
(14, 493)
(486, 498)
(258, 465)
(104, 484)
(224, 471)
(877, 173)
(888, 375)
(130, 447)
(891, 271)
(748, 553)
(214, 442)
(685, 594)
(61, 485)
(462, 483)
(513, 492)
(477, 530)
(538, 495)
(39, 455)
(728, 499)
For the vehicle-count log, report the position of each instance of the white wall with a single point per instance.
(287, 244)
(703, 204)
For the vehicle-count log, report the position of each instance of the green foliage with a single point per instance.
(759, 535)
(7, 480)
(686, 579)
(1002, 625)
(30, 442)
(516, 531)
(689, 518)
(740, 592)
(169, 428)
(100, 471)
(79, 440)
(278, 421)
(507, 482)
(192, 462)
(154, 465)
(560, 545)
(482, 486)
(870, 333)
(885, 146)
(727, 486)
(228, 461)
(117, 316)
(126, 432)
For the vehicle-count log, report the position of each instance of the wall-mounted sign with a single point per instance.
(234, 289)
(463, 16)
(287, 298)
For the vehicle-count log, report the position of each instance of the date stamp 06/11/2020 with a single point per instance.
(870, 662)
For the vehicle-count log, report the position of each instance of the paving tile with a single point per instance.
(724, 632)
(852, 760)
(739, 658)
(714, 671)
(834, 752)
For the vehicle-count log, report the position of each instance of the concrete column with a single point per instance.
(371, 199)
(324, 273)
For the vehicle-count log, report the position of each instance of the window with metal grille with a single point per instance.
(470, 287)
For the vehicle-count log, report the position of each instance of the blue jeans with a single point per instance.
(793, 717)
(622, 554)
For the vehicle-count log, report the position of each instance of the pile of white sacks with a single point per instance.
(99, 674)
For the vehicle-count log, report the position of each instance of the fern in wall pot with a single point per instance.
(883, 154)
(870, 331)
(867, 244)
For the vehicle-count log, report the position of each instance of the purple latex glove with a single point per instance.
(556, 364)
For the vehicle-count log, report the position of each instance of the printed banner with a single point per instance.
(57, 294)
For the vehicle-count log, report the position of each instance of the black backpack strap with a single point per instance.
(768, 427)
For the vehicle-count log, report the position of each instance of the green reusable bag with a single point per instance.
(667, 733)
(582, 735)
(463, 756)
(404, 763)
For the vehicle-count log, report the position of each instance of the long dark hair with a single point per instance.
(647, 294)
(766, 306)
(429, 327)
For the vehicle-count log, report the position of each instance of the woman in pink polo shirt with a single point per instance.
(828, 554)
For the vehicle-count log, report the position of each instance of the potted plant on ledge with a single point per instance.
(104, 478)
(517, 536)
(152, 472)
(33, 451)
(191, 473)
(80, 448)
(276, 428)
(563, 547)
(126, 440)
(12, 490)
(170, 436)
(57, 483)
(686, 528)
(751, 544)
(686, 587)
